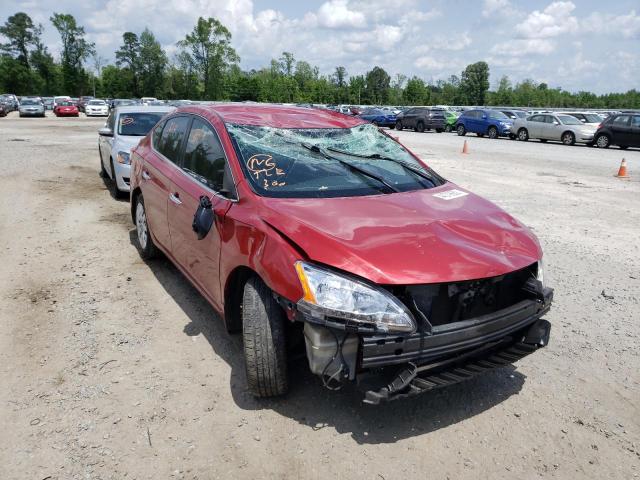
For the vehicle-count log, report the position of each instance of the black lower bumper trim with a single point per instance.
(414, 380)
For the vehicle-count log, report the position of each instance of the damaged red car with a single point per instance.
(312, 230)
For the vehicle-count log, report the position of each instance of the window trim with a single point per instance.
(178, 165)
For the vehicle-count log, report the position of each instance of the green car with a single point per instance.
(450, 119)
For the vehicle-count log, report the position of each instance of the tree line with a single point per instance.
(207, 67)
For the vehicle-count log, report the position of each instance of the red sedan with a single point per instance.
(66, 109)
(312, 230)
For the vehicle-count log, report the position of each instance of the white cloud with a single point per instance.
(525, 46)
(626, 25)
(337, 14)
(554, 20)
(491, 8)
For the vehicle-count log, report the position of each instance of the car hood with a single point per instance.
(406, 238)
(125, 143)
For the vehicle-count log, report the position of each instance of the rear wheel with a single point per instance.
(420, 127)
(523, 135)
(492, 132)
(461, 130)
(146, 247)
(568, 138)
(399, 125)
(603, 141)
(264, 342)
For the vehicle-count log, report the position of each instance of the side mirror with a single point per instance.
(203, 218)
(555, 122)
(105, 132)
(484, 117)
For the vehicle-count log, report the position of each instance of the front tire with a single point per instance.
(447, 128)
(523, 135)
(399, 126)
(461, 131)
(146, 247)
(420, 127)
(492, 133)
(568, 138)
(603, 141)
(264, 343)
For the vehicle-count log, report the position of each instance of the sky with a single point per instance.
(576, 45)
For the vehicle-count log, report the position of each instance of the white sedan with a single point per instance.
(96, 108)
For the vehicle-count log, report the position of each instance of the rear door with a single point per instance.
(204, 172)
(534, 126)
(621, 130)
(551, 128)
(409, 118)
(157, 171)
(635, 131)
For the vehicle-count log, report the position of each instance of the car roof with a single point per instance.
(276, 116)
(143, 109)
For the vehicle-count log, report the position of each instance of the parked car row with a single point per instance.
(313, 233)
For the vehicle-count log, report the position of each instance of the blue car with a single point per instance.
(491, 123)
(379, 117)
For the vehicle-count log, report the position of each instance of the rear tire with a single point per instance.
(420, 127)
(461, 130)
(568, 138)
(146, 247)
(603, 141)
(264, 342)
(492, 133)
(523, 135)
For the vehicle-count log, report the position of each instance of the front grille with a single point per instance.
(444, 303)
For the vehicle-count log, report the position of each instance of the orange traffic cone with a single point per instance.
(465, 149)
(622, 171)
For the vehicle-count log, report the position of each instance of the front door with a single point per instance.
(635, 131)
(203, 168)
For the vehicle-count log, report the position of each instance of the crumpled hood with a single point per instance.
(406, 238)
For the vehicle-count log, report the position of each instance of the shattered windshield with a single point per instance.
(327, 162)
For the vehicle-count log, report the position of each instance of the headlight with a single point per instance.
(540, 274)
(329, 296)
(123, 157)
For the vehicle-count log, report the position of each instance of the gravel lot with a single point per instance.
(112, 368)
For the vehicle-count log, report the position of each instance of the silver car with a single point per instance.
(31, 107)
(124, 128)
(551, 126)
(587, 118)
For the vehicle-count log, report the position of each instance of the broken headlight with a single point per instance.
(540, 274)
(337, 298)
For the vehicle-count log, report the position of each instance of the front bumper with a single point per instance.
(31, 113)
(123, 176)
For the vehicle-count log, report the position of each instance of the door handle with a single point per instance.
(145, 175)
(175, 198)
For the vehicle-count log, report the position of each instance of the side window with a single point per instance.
(204, 157)
(537, 118)
(172, 137)
(549, 119)
(621, 121)
(157, 133)
(635, 121)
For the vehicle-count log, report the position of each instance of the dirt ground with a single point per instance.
(114, 368)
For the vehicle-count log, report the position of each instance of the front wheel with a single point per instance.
(603, 141)
(146, 247)
(568, 138)
(264, 343)
(492, 133)
(461, 130)
(420, 127)
(523, 135)
(399, 125)
(447, 128)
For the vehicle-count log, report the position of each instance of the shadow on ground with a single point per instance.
(310, 404)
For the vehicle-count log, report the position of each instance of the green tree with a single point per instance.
(416, 92)
(377, 83)
(75, 50)
(153, 64)
(208, 49)
(128, 57)
(22, 34)
(474, 83)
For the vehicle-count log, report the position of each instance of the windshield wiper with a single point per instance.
(350, 166)
(316, 149)
(377, 156)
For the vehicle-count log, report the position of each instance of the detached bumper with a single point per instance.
(452, 353)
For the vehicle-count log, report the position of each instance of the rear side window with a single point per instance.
(537, 118)
(203, 156)
(172, 137)
(621, 121)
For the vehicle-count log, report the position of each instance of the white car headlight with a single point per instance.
(329, 296)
